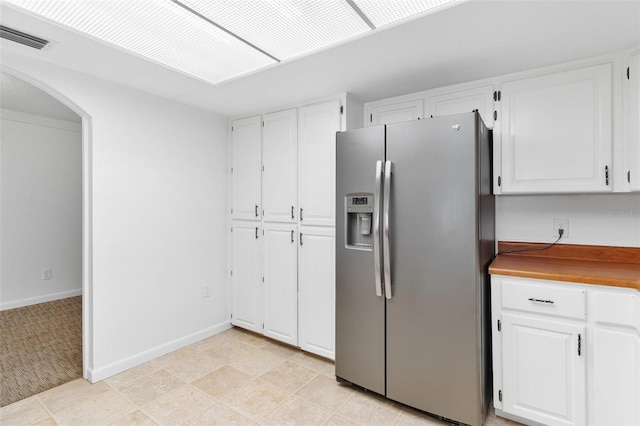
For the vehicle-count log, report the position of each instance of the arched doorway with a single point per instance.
(43, 199)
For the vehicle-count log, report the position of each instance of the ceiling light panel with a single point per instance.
(284, 28)
(158, 30)
(383, 12)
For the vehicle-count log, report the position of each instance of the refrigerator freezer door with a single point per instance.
(360, 338)
(432, 319)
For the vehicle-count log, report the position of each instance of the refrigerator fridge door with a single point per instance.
(360, 309)
(432, 345)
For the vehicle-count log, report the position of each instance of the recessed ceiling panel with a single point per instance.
(382, 12)
(158, 30)
(284, 28)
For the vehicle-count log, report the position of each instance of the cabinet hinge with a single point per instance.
(500, 395)
(499, 180)
(627, 73)
(606, 175)
(499, 326)
(341, 109)
(579, 344)
(370, 118)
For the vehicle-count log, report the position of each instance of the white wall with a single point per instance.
(158, 190)
(41, 208)
(605, 219)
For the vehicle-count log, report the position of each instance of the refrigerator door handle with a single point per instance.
(376, 228)
(386, 249)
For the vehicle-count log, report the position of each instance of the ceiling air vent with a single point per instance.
(22, 38)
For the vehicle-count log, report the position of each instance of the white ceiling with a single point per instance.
(470, 41)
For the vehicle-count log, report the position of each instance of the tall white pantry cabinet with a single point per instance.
(283, 223)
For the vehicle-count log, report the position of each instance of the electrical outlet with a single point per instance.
(206, 291)
(47, 274)
(561, 224)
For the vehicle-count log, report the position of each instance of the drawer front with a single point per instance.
(544, 299)
(617, 308)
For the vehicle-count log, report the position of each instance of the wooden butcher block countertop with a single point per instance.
(602, 265)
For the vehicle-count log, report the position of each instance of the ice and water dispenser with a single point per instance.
(359, 221)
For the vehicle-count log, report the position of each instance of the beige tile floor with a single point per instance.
(233, 378)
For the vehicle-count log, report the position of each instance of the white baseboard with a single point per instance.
(101, 373)
(40, 299)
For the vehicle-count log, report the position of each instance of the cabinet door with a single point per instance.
(246, 275)
(316, 275)
(616, 377)
(246, 165)
(615, 357)
(280, 160)
(280, 289)
(556, 133)
(317, 127)
(395, 112)
(544, 370)
(480, 98)
(632, 122)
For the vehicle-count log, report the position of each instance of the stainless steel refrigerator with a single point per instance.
(414, 237)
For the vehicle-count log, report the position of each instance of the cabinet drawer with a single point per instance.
(615, 308)
(544, 299)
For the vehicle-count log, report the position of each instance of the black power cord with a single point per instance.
(560, 233)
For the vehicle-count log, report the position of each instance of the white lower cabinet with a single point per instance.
(565, 353)
(543, 370)
(615, 382)
(280, 288)
(246, 275)
(316, 286)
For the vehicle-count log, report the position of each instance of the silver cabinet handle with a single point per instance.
(531, 299)
(292, 208)
(292, 235)
(376, 228)
(386, 248)
(300, 214)
(256, 232)
(256, 210)
(301, 239)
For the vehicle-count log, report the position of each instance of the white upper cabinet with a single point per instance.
(317, 127)
(460, 101)
(246, 276)
(556, 132)
(246, 166)
(280, 289)
(280, 162)
(631, 99)
(394, 111)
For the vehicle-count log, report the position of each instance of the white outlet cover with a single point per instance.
(561, 223)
